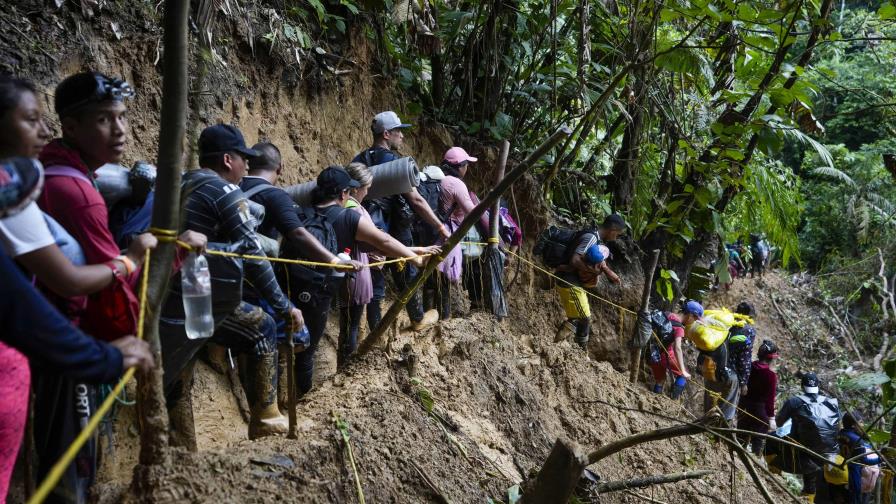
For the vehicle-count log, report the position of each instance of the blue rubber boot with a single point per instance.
(658, 388)
(678, 387)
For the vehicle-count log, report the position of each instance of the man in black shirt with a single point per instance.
(216, 206)
(388, 138)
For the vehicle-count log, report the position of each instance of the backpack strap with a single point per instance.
(67, 171)
(257, 189)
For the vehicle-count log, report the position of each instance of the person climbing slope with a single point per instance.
(815, 423)
(665, 356)
(719, 380)
(397, 211)
(757, 406)
(574, 255)
(740, 346)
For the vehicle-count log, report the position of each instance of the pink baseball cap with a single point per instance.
(457, 155)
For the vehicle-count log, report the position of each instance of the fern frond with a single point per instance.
(831, 172)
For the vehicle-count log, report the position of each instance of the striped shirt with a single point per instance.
(219, 210)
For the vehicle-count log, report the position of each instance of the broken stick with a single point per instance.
(615, 486)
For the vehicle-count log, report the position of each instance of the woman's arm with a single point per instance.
(679, 356)
(369, 234)
(54, 270)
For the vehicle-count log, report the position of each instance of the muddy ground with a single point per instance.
(502, 393)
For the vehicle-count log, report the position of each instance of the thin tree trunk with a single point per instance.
(376, 337)
(165, 215)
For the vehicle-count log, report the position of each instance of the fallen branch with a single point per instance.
(844, 329)
(688, 429)
(785, 320)
(615, 486)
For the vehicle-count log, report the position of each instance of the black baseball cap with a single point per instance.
(224, 138)
(810, 383)
(334, 179)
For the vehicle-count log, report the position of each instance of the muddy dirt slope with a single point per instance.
(501, 394)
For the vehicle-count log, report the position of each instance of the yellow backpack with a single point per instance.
(836, 475)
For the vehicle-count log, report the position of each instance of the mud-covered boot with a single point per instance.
(566, 331)
(265, 419)
(430, 318)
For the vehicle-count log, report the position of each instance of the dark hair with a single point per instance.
(11, 89)
(745, 308)
(212, 161)
(614, 221)
(75, 93)
(452, 169)
(270, 157)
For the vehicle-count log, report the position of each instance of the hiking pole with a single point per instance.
(291, 387)
(377, 336)
(492, 260)
(636, 343)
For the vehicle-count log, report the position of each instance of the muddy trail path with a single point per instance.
(486, 404)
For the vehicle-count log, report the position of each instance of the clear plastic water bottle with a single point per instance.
(196, 285)
(344, 258)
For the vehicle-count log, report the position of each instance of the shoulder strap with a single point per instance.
(257, 189)
(66, 171)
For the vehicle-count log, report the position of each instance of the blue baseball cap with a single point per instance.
(694, 308)
(594, 255)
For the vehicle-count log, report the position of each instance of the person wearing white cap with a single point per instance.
(816, 420)
(397, 212)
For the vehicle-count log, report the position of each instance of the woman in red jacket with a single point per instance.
(757, 406)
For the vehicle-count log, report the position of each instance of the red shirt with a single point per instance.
(762, 387)
(81, 210)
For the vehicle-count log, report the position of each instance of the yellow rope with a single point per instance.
(555, 277)
(169, 236)
(58, 469)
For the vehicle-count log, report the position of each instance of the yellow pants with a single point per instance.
(575, 302)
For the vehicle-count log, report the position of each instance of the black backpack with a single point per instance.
(665, 331)
(815, 423)
(431, 191)
(316, 223)
(556, 245)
